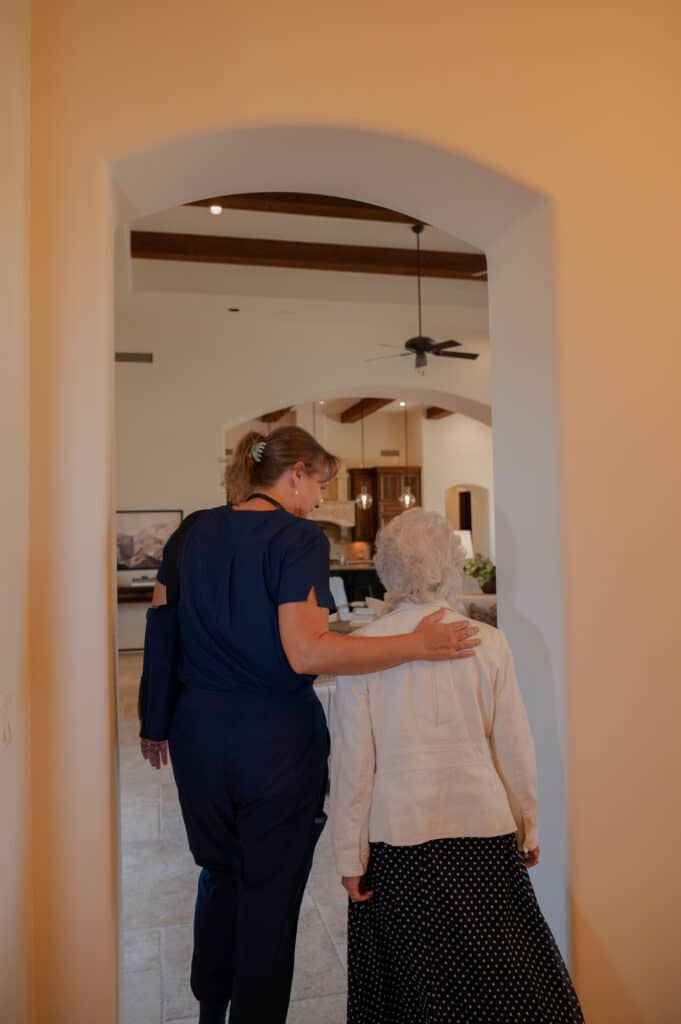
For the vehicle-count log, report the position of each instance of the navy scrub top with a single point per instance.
(236, 569)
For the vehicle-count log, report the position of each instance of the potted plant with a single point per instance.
(484, 571)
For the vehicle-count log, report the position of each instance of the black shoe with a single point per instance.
(212, 1014)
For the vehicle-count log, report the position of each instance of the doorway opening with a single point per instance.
(467, 507)
(513, 227)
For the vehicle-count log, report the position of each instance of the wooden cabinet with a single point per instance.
(384, 484)
(392, 481)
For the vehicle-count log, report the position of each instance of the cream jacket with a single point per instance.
(430, 750)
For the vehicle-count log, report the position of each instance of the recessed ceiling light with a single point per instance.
(403, 405)
(216, 210)
(322, 401)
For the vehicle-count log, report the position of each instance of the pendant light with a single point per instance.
(363, 500)
(406, 499)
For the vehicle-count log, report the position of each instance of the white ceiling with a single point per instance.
(361, 302)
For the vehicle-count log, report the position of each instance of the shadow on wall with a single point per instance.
(614, 992)
(467, 508)
(542, 693)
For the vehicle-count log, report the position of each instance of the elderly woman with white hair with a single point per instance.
(434, 818)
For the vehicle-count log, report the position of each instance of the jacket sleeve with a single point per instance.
(352, 775)
(513, 751)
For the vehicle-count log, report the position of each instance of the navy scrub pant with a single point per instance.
(251, 777)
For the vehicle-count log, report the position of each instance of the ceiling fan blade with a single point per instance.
(446, 344)
(400, 355)
(457, 355)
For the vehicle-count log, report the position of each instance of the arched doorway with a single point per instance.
(467, 507)
(513, 226)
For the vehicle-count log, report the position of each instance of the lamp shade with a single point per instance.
(466, 538)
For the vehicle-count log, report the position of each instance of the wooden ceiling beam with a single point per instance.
(269, 252)
(434, 412)
(274, 417)
(306, 205)
(364, 408)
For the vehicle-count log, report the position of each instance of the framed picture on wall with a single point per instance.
(141, 535)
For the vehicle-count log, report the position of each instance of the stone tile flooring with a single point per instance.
(159, 883)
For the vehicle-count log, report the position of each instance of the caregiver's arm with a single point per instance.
(312, 650)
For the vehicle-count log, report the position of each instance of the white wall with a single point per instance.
(457, 451)
(212, 372)
(527, 520)
(14, 109)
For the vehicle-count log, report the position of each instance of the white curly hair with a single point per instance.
(419, 558)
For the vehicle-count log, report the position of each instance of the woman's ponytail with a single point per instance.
(260, 459)
(240, 472)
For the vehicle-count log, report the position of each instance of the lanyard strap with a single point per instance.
(266, 497)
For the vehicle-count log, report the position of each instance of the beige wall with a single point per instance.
(582, 105)
(14, 115)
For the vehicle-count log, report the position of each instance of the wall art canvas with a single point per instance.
(140, 536)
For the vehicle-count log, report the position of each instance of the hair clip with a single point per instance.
(258, 450)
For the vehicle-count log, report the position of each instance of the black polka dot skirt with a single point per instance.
(454, 935)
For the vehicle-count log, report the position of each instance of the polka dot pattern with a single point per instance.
(454, 935)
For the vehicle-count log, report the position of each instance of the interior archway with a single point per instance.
(479, 514)
(512, 224)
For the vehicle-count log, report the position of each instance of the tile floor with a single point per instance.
(159, 881)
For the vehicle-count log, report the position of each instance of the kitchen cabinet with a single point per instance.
(384, 484)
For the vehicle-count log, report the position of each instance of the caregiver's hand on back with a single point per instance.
(443, 641)
(311, 648)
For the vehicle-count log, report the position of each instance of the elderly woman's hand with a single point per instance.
(154, 751)
(355, 886)
(442, 641)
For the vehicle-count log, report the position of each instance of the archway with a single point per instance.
(513, 226)
(473, 500)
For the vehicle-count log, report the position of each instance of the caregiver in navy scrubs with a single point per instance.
(248, 740)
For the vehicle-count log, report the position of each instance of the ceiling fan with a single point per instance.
(421, 346)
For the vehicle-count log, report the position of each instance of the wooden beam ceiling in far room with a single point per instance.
(306, 205)
(434, 412)
(274, 417)
(363, 408)
(269, 252)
